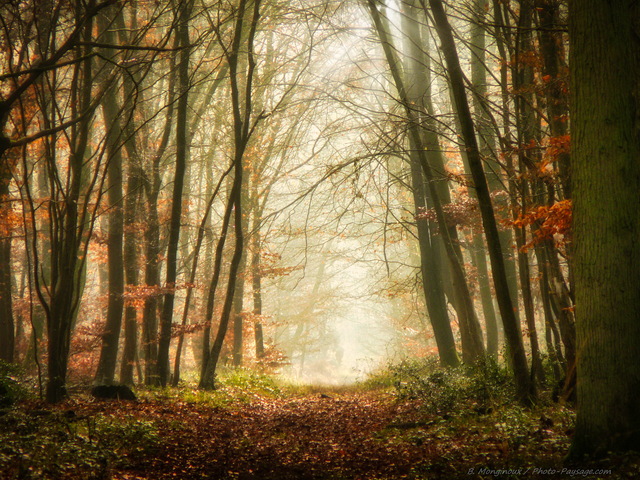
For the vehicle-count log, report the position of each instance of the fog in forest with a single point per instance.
(281, 186)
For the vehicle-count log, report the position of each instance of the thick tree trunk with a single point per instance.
(605, 184)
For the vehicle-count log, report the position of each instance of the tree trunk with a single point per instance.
(7, 328)
(605, 183)
(115, 261)
(256, 288)
(242, 117)
(238, 301)
(182, 145)
(470, 330)
(487, 147)
(131, 275)
(67, 262)
(419, 92)
(524, 385)
(554, 68)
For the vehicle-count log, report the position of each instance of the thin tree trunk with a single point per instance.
(192, 277)
(182, 145)
(556, 72)
(67, 266)
(524, 386)
(7, 328)
(487, 145)
(256, 288)
(105, 372)
(132, 201)
(501, 35)
(152, 248)
(470, 330)
(242, 118)
(419, 91)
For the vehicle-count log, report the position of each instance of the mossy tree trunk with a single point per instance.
(606, 186)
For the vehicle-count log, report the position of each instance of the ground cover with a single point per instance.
(251, 428)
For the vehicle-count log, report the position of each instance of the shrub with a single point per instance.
(443, 390)
(50, 444)
(249, 381)
(11, 386)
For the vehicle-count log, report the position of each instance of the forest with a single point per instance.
(319, 239)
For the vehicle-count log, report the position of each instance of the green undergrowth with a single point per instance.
(38, 443)
(233, 386)
(467, 414)
(12, 386)
(478, 389)
(473, 406)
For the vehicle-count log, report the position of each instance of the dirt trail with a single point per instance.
(338, 436)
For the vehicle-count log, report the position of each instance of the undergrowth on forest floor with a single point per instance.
(411, 420)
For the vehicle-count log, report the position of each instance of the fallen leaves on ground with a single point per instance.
(347, 435)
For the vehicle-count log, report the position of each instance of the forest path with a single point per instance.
(318, 436)
(339, 435)
(334, 435)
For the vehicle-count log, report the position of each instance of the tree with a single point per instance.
(604, 67)
(183, 13)
(115, 261)
(7, 327)
(470, 329)
(243, 126)
(524, 385)
(417, 70)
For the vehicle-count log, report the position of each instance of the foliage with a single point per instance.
(233, 385)
(444, 392)
(48, 444)
(382, 378)
(551, 222)
(254, 434)
(12, 387)
(245, 381)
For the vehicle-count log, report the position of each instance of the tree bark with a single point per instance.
(256, 288)
(469, 326)
(131, 275)
(7, 327)
(115, 262)
(524, 386)
(605, 184)
(419, 92)
(182, 145)
(241, 100)
(487, 145)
